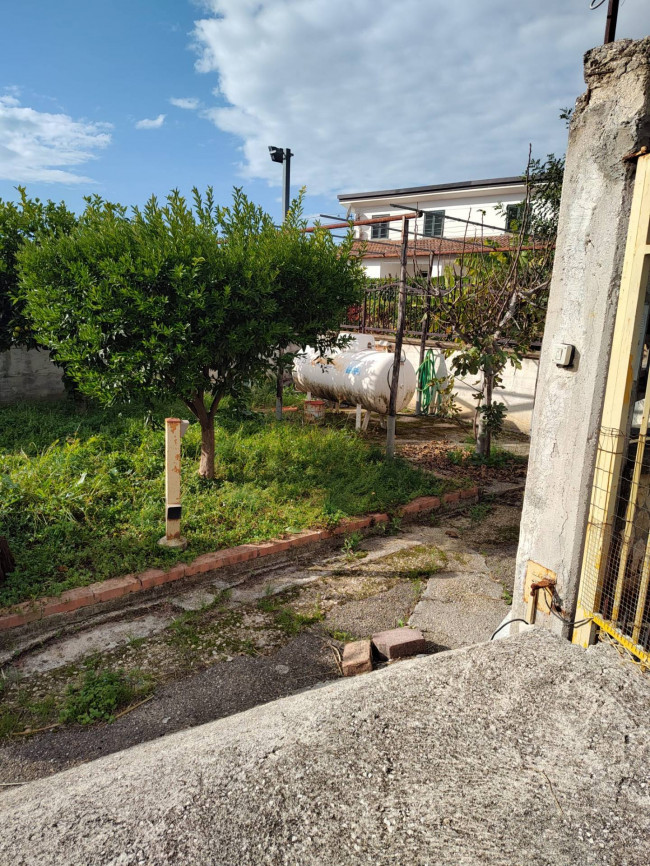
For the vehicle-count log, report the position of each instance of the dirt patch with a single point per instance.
(217, 691)
(451, 460)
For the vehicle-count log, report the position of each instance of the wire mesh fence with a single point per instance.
(616, 569)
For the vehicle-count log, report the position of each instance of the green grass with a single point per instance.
(100, 695)
(82, 489)
(289, 621)
(479, 512)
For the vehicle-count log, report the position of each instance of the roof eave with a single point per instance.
(441, 187)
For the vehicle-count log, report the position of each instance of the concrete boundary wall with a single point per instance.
(518, 392)
(29, 374)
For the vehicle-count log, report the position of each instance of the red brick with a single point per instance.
(250, 550)
(303, 538)
(203, 563)
(469, 494)
(232, 555)
(355, 524)
(21, 614)
(264, 548)
(449, 498)
(156, 576)
(379, 517)
(411, 507)
(357, 658)
(352, 524)
(429, 503)
(280, 544)
(398, 643)
(176, 572)
(13, 620)
(115, 588)
(70, 600)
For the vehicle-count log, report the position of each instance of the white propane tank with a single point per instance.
(359, 375)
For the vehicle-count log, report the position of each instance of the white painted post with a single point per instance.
(174, 432)
(357, 425)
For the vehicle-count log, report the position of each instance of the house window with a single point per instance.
(513, 216)
(434, 224)
(379, 230)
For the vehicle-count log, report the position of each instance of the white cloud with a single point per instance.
(39, 146)
(189, 103)
(154, 123)
(377, 93)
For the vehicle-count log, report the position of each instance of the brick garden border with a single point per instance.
(116, 587)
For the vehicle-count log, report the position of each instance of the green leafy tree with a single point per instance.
(492, 304)
(172, 300)
(318, 280)
(20, 222)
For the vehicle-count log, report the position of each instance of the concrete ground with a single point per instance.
(243, 638)
(523, 751)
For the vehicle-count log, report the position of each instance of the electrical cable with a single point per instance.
(504, 624)
(555, 598)
(596, 4)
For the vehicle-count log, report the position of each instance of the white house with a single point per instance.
(455, 215)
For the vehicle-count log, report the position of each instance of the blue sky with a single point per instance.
(369, 94)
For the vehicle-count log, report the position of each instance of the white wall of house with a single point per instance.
(518, 392)
(479, 205)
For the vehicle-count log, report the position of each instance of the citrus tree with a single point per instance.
(22, 221)
(174, 300)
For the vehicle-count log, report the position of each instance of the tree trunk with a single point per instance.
(279, 389)
(484, 436)
(7, 562)
(206, 464)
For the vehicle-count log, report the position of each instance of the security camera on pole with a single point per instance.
(283, 155)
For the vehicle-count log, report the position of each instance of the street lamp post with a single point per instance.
(283, 155)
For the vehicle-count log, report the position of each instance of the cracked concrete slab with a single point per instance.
(98, 639)
(195, 600)
(459, 608)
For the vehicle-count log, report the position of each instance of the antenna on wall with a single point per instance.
(612, 16)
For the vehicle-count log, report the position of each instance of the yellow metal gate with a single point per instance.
(615, 575)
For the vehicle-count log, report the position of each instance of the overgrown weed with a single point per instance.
(82, 488)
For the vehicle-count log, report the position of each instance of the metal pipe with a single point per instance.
(286, 181)
(612, 17)
(399, 337)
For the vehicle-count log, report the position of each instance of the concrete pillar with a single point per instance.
(610, 120)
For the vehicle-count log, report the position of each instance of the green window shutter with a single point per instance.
(434, 223)
(513, 215)
(379, 231)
